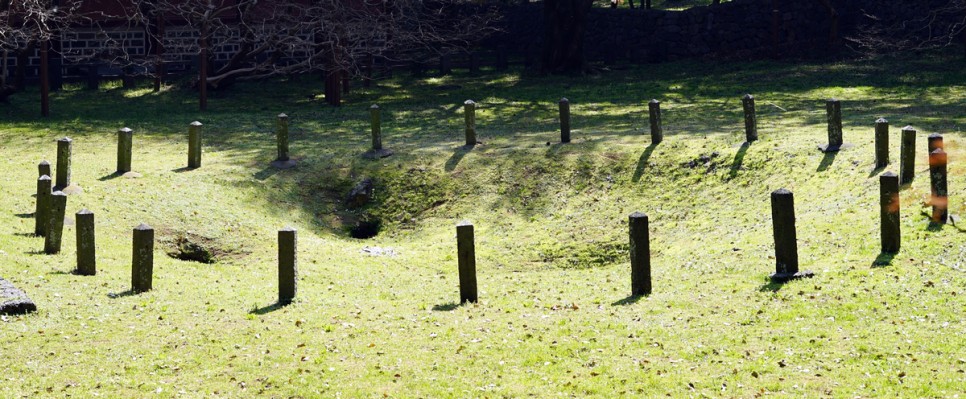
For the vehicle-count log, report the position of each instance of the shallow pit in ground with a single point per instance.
(193, 247)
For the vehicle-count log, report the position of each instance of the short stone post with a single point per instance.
(42, 213)
(938, 186)
(786, 242)
(640, 255)
(466, 254)
(125, 138)
(657, 132)
(55, 222)
(889, 211)
(288, 271)
(283, 161)
(469, 114)
(86, 265)
(63, 163)
(833, 110)
(43, 168)
(751, 120)
(935, 141)
(194, 145)
(142, 265)
(564, 120)
(881, 143)
(907, 156)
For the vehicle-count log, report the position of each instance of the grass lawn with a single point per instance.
(554, 317)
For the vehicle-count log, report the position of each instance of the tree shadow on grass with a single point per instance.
(827, 160)
(739, 158)
(629, 300)
(457, 156)
(642, 162)
(270, 308)
(264, 174)
(446, 307)
(115, 295)
(884, 259)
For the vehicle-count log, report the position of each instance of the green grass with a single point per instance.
(554, 318)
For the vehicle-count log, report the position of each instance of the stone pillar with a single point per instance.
(142, 265)
(833, 110)
(907, 156)
(657, 132)
(889, 212)
(288, 271)
(375, 120)
(751, 119)
(86, 264)
(935, 141)
(564, 120)
(63, 163)
(43, 169)
(42, 213)
(881, 143)
(125, 138)
(640, 255)
(466, 254)
(194, 145)
(938, 186)
(283, 161)
(469, 114)
(786, 242)
(55, 222)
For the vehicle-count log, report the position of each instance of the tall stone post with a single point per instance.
(907, 156)
(283, 161)
(786, 241)
(42, 213)
(142, 265)
(125, 137)
(833, 110)
(287, 265)
(86, 264)
(881, 143)
(469, 115)
(466, 254)
(751, 119)
(564, 120)
(640, 255)
(375, 121)
(63, 163)
(889, 212)
(938, 186)
(194, 144)
(657, 131)
(55, 222)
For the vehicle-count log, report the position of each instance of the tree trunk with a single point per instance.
(563, 41)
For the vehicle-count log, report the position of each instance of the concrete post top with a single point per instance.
(125, 130)
(44, 163)
(143, 227)
(654, 101)
(65, 140)
(564, 100)
(935, 136)
(288, 229)
(464, 223)
(59, 194)
(44, 177)
(374, 106)
(85, 211)
(196, 123)
(282, 116)
(908, 128)
(469, 102)
(889, 174)
(748, 97)
(881, 120)
(638, 215)
(781, 192)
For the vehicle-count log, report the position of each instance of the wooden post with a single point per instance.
(881, 143)
(907, 156)
(63, 163)
(125, 138)
(283, 161)
(889, 212)
(833, 110)
(194, 145)
(86, 263)
(938, 186)
(657, 132)
(469, 114)
(640, 254)
(935, 141)
(55, 222)
(42, 213)
(43, 168)
(142, 267)
(564, 120)
(287, 265)
(466, 253)
(786, 242)
(751, 120)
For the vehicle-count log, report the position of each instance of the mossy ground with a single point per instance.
(554, 318)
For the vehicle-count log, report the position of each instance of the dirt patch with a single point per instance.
(193, 247)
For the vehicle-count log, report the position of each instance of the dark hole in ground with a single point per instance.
(366, 229)
(187, 249)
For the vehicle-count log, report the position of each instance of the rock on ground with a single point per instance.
(13, 301)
